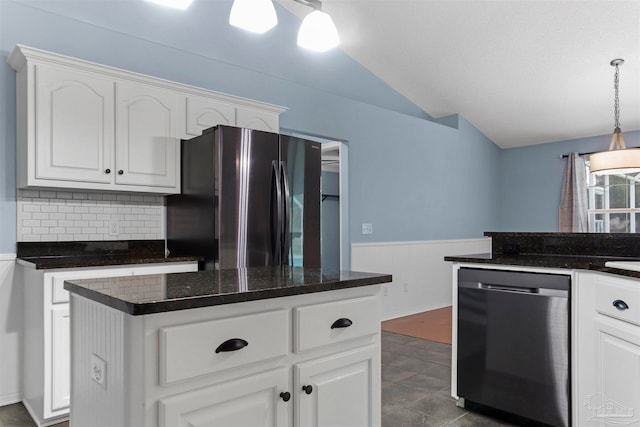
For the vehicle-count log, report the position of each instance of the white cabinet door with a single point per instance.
(252, 401)
(338, 390)
(74, 125)
(257, 119)
(203, 113)
(147, 147)
(60, 358)
(616, 398)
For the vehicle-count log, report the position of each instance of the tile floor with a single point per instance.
(416, 386)
(415, 389)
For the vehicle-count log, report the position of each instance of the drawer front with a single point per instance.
(623, 293)
(191, 350)
(59, 295)
(322, 324)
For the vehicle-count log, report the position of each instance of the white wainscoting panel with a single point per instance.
(10, 332)
(421, 277)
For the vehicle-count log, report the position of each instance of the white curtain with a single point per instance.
(573, 201)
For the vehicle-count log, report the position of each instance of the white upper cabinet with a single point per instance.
(87, 126)
(255, 119)
(203, 113)
(147, 149)
(72, 143)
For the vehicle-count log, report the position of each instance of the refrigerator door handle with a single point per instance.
(276, 221)
(286, 238)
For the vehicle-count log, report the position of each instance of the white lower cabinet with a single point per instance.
(250, 401)
(47, 320)
(337, 390)
(60, 358)
(233, 365)
(608, 354)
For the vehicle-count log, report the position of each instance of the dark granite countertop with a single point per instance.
(575, 262)
(78, 254)
(137, 295)
(45, 263)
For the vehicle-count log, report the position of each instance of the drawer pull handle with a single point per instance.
(232, 345)
(285, 395)
(307, 389)
(120, 172)
(620, 305)
(342, 323)
(107, 171)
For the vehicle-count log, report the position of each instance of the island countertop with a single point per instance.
(138, 295)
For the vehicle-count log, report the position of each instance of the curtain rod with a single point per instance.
(564, 156)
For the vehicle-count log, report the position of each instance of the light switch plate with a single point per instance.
(98, 370)
(367, 228)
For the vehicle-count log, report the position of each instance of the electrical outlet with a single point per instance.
(406, 287)
(114, 227)
(367, 228)
(98, 370)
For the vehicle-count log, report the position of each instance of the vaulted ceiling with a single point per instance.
(522, 71)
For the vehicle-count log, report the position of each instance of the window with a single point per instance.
(614, 203)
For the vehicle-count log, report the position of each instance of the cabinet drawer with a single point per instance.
(322, 324)
(609, 291)
(191, 350)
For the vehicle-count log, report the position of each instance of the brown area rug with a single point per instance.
(434, 325)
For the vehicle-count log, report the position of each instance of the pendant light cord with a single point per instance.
(616, 101)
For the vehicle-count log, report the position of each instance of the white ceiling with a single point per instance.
(522, 71)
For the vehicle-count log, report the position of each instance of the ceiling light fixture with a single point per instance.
(317, 31)
(619, 158)
(176, 4)
(257, 16)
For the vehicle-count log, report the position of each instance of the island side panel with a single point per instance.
(100, 365)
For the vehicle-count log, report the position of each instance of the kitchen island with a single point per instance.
(257, 346)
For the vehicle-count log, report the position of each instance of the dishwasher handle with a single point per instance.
(519, 290)
(508, 288)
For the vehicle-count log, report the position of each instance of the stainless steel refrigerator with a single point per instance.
(249, 198)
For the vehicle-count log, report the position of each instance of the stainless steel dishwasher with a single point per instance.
(513, 343)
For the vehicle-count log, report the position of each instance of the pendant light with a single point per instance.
(257, 16)
(317, 31)
(619, 158)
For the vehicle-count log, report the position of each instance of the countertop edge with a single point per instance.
(585, 264)
(54, 265)
(136, 309)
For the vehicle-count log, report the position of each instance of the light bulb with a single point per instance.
(318, 32)
(257, 16)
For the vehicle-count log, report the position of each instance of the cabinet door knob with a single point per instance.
(620, 305)
(307, 389)
(233, 344)
(107, 171)
(342, 323)
(120, 172)
(285, 395)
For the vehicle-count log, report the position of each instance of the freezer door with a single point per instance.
(300, 163)
(246, 214)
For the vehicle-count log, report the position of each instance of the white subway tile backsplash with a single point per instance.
(69, 215)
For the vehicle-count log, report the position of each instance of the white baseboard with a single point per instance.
(10, 399)
(415, 310)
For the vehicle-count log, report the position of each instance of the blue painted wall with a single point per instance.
(531, 177)
(413, 178)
